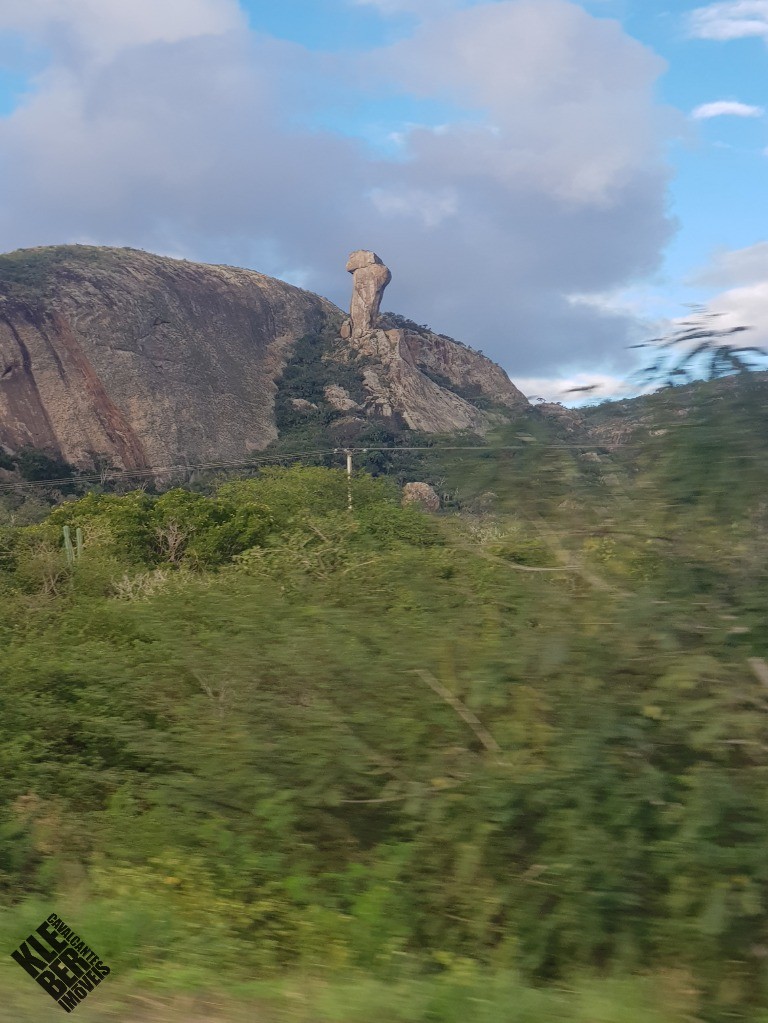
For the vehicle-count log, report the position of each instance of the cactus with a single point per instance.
(68, 546)
(74, 552)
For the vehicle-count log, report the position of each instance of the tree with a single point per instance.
(37, 466)
(696, 348)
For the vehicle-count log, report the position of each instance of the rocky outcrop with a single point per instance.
(567, 418)
(369, 280)
(400, 392)
(422, 380)
(302, 405)
(143, 361)
(340, 399)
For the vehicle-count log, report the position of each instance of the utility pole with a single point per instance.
(348, 453)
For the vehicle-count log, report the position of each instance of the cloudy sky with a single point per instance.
(547, 179)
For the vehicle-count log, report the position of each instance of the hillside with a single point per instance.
(496, 759)
(138, 360)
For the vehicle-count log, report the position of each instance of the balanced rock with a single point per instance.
(370, 278)
(421, 494)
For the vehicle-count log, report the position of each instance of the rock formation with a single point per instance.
(420, 379)
(147, 361)
(340, 399)
(369, 279)
(569, 419)
(141, 359)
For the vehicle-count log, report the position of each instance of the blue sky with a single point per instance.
(721, 170)
(545, 185)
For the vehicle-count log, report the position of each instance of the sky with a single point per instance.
(549, 181)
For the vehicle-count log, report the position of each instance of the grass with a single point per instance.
(196, 991)
(358, 998)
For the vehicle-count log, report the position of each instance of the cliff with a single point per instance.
(150, 361)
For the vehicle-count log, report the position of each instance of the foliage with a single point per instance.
(705, 350)
(394, 321)
(27, 273)
(22, 509)
(177, 526)
(289, 493)
(38, 466)
(518, 747)
(316, 361)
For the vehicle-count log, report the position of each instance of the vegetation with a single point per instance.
(26, 273)
(316, 361)
(37, 466)
(394, 321)
(696, 348)
(507, 764)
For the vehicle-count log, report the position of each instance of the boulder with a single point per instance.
(340, 399)
(422, 495)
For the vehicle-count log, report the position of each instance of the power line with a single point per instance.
(157, 470)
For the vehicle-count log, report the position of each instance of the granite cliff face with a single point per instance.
(150, 361)
(425, 380)
(142, 359)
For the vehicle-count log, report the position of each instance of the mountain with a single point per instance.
(141, 360)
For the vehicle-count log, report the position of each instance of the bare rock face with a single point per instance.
(142, 359)
(422, 495)
(369, 279)
(403, 369)
(400, 391)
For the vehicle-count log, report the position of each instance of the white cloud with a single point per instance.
(579, 389)
(184, 134)
(744, 307)
(725, 108)
(638, 301)
(733, 267)
(743, 274)
(733, 19)
(431, 208)
(578, 135)
(101, 28)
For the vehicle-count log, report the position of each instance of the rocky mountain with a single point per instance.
(143, 360)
